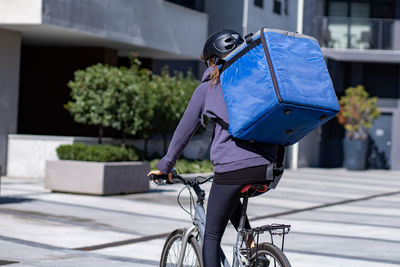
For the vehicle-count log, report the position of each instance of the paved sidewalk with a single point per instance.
(338, 218)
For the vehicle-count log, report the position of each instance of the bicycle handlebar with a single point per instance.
(176, 178)
(193, 182)
(164, 177)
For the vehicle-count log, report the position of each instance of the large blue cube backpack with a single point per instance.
(277, 88)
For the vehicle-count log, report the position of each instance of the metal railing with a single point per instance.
(357, 33)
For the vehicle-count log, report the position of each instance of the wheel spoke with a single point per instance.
(172, 250)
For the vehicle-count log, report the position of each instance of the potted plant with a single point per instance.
(357, 112)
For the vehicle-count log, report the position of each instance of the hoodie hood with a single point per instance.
(207, 73)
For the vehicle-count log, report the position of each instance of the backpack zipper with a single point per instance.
(271, 69)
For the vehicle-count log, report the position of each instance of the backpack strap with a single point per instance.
(208, 135)
(224, 125)
(206, 139)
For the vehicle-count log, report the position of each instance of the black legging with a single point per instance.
(223, 204)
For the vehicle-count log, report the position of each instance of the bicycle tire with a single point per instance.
(268, 255)
(171, 251)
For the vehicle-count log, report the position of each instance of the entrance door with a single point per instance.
(380, 142)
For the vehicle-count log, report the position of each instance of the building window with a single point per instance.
(277, 6)
(192, 4)
(259, 3)
(361, 8)
(286, 7)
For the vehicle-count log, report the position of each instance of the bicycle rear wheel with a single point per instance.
(172, 250)
(268, 255)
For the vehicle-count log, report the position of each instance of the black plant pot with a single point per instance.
(355, 153)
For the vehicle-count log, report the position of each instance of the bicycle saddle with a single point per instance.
(253, 190)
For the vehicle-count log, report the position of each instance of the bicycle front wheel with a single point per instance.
(268, 255)
(172, 250)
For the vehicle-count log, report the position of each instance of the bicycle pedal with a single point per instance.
(261, 262)
(245, 252)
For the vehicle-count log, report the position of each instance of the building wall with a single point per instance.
(21, 12)
(265, 17)
(9, 82)
(224, 14)
(312, 9)
(150, 24)
(228, 14)
(396, 35)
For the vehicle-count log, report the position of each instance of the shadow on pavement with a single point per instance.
(10, 200)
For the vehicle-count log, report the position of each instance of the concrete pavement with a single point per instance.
(338, 218)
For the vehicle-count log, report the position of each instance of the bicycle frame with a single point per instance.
(199, 222)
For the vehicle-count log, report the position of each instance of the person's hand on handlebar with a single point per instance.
(157, 172)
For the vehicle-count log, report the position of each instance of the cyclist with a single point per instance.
(236, 163)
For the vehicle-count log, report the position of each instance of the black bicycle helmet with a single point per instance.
(220, 44)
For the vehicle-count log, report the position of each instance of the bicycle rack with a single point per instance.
(273, 230)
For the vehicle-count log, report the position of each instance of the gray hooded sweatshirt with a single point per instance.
(227, 153)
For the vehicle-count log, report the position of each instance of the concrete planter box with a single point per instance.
(97, 178)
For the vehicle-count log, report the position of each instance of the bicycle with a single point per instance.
(183, 245)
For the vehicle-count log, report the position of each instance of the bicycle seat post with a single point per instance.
(244, 211)
(242, 223)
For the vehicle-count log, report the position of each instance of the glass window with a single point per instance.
(383, 9)
(277, 6)
(192, 4)
(259, 3)
(286, 7)
(338, 9)
(360, 10)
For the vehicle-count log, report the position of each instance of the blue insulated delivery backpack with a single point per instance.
(277, 88)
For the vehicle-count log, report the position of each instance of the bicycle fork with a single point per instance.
(185, 240)
(199, 220)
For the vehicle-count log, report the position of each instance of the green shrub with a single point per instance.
(97, 153)
(184, 166)
(108, 96)
(173, 93)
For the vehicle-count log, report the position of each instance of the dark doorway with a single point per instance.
(331, 148)
(380, 143)
(45, 72)
(381, 80)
